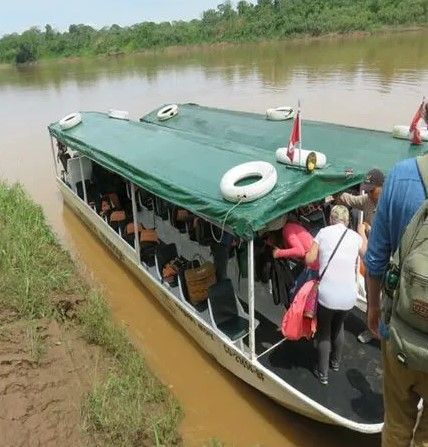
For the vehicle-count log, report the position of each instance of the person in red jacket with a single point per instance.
(297, 242)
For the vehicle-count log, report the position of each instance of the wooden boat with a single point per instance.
(180, 161)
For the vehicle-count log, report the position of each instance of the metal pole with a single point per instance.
(300, 132)
(54, 157)
(85, 197)
(251, 298)
(135, 217)
(271, 348)
(360, 221)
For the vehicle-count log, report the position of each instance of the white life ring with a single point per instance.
(403, 132)
(280, 113)
(302, 154)
(118, 114)
(253, 191)
(167, 112)
(70, 121)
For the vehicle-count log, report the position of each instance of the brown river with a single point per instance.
(372, 81)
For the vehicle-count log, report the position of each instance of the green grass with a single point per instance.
(33, 266)
(98, 327)
(214, 443)
(35, 341)
(127, 406)
(130, 407)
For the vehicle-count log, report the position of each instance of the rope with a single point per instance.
(224, 222)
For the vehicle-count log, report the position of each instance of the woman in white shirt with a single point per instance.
(337, 292)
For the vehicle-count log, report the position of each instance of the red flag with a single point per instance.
(294, 136)
(415, 134)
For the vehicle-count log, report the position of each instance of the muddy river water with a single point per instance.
(372, 81)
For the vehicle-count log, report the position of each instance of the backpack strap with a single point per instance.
(332, 254)
(422, 163)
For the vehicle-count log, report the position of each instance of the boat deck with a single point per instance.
(354, 392)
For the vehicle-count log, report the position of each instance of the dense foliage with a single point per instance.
(248, 21)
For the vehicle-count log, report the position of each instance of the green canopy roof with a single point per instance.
(184, 158)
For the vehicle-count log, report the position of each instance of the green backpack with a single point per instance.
(409, 318)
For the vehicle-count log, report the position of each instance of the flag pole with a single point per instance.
(300, 131)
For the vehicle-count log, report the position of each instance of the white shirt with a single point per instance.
(338, 287)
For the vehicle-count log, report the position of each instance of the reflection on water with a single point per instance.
(372, 81)
(386, 59)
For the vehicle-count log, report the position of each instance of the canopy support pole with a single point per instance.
(54, 157)
(135, 217)
(271, 348)
(251, 299)
(85, 197)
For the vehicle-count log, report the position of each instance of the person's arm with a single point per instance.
(379, 242)
(347, 199)
(296, 249)
(374, 286)
(312, 254)
(362, 232)
(378, 255)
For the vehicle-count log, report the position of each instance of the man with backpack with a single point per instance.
(400, 231)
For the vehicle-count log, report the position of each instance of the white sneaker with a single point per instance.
(365, 336)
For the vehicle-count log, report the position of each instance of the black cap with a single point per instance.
(373, 179)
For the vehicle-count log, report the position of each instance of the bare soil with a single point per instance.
(45, 370)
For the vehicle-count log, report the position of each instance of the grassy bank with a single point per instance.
(248, 21)
(126, 406)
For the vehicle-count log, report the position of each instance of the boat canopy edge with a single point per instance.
(183, 159)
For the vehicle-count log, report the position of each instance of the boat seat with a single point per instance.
(235, 328)
(181, 294)
(74, 174)
(148, 253)
(182, 286)
(226, 313)
(163, 254)
(144, 199)
(200, 307)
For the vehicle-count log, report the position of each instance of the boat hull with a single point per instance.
(221, 348)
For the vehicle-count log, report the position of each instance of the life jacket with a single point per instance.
(294, 324)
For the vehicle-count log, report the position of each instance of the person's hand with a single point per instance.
(276, 253)
(373, 320)
(361, 229)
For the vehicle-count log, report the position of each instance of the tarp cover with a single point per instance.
(183, 159)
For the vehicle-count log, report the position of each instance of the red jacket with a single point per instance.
(298, 241)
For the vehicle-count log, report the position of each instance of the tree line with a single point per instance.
(247, 21)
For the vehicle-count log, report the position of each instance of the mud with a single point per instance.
(45, 370)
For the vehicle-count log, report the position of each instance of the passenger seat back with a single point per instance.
(223, 301)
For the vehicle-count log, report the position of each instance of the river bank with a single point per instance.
(68, 374)
(185, 49)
